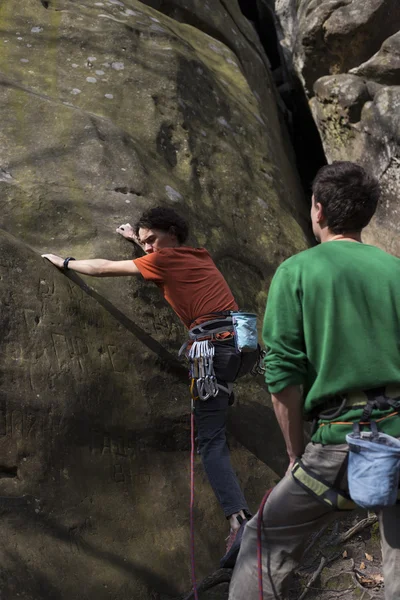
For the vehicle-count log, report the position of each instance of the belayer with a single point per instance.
(332, 335)
(198, 293)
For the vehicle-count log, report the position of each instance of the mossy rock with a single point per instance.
(109, 108)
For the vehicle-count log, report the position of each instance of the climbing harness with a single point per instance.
(366, 449)
(328, 494)
(392, 414)
(201, 356)
(242, 327)
(208, 331)
(363, 452)
(321, 490)
(382, 398)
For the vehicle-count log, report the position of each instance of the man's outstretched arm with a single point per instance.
(288, 407)
(96, 267)
(99, 267)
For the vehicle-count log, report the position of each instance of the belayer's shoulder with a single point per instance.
(298, 260)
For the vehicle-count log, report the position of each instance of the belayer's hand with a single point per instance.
(290, 467)
(56, 260)
(128, 233)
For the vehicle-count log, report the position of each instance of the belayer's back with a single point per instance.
(354, 277)
(350, 298)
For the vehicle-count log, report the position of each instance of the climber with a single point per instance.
(332, 328)
(197, 292)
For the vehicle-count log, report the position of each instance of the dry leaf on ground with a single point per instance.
(370, 581)
(369, 557)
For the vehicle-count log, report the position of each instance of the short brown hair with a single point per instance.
(348, 194)
(164, 218)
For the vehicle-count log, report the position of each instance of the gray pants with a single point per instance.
(290, 515)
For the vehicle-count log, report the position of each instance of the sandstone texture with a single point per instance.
(108, 108)
(346, 53)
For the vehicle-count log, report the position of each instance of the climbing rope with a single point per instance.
(259, 544)
(192, 453)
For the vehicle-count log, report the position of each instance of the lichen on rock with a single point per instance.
(122, 107)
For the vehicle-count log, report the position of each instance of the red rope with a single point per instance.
(192, 453)
(259, 543)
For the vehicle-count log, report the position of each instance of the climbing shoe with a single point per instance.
(233, 542)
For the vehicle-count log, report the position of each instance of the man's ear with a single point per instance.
(320, 212)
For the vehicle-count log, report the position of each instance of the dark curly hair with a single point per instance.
(166, 219)
(348, 194)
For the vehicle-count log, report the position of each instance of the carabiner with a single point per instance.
(201, 389)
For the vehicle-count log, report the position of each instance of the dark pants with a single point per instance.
(210, 416)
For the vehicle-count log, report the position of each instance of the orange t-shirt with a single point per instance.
(190, 282)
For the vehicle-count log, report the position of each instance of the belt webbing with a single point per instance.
(361, 422)
(207, 330)
(321, 490)
(374, 398)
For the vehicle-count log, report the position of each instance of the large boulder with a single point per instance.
(108, 108)
(333, 36)
(347, 56)
(384, 66)
(360, 121)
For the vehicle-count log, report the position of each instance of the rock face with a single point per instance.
(108, 108)
(347, 55)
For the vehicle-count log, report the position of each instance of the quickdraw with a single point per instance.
(201, 357)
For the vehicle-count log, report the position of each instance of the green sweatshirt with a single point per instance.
(332, 325)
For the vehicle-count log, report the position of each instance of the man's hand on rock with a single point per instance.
(56, 260)
(128, 233)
